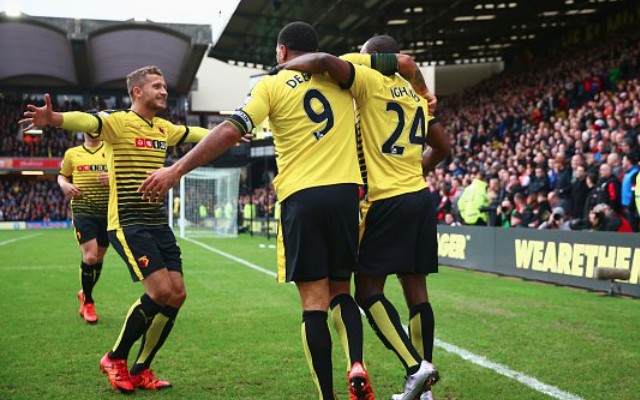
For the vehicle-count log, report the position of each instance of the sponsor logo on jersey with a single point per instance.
(142, 143)
(94, 167)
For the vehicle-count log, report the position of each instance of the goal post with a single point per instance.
(206, 204)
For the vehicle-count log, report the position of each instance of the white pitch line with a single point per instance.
(526, 380)
(12, 268)
(481, 361)
(20, 238)
(232, 257)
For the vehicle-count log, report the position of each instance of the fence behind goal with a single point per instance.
(206, 204)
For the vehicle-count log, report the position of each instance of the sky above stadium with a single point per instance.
(215, 13)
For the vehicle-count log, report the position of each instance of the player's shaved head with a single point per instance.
(299, 36)
(381, 44)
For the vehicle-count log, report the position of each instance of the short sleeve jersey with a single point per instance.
(394, 122)
(135, 146)
(82, 165)
(313, 128)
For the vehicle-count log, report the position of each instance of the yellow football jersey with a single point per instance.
(133, 147)
(394, 123)
(82, 165)
(313, 129)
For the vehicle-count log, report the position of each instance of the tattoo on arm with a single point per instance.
(417, 80)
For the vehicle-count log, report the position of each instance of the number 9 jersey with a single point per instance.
(313, 129)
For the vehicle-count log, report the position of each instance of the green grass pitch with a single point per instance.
(238, 334)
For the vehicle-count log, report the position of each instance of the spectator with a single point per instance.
(503, 214)
(456, 193)
(579, 192)
(552, 172)
(562, 183)
(627, 202)
(604, 218)
(557, 221)
(520, 202)
(513, 187)
(473, 203)
(627, 147)
(542, 210)
(540, 181)
(613, 160)
(516, 220)
(608, 187)
(553, 200)
(533, 218)
(636, 190)
(450, 220)
(445, 204)
(576, 161)
(493, 191)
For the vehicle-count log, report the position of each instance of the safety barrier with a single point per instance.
(560, 257)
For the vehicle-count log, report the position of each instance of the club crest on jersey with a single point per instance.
(143, 261)
(150, 144)
(86, 168)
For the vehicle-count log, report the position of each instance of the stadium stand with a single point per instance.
(52, 143)
(581, 109)
(32, 199)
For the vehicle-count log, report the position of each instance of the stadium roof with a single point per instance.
(95, 55)
(435, 31)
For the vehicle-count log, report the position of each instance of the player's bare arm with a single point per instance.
(440, 147)
(410, 71)
(340, 71)
(74, 121)
(69, 190)
(213, 145)
(317, 63)
(40, 116)
(103, 178)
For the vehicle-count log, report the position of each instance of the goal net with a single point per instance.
(206, 204)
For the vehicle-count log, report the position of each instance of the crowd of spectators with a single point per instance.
(53, 142)
(264, 200)
(32, 200)
(547, 145)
